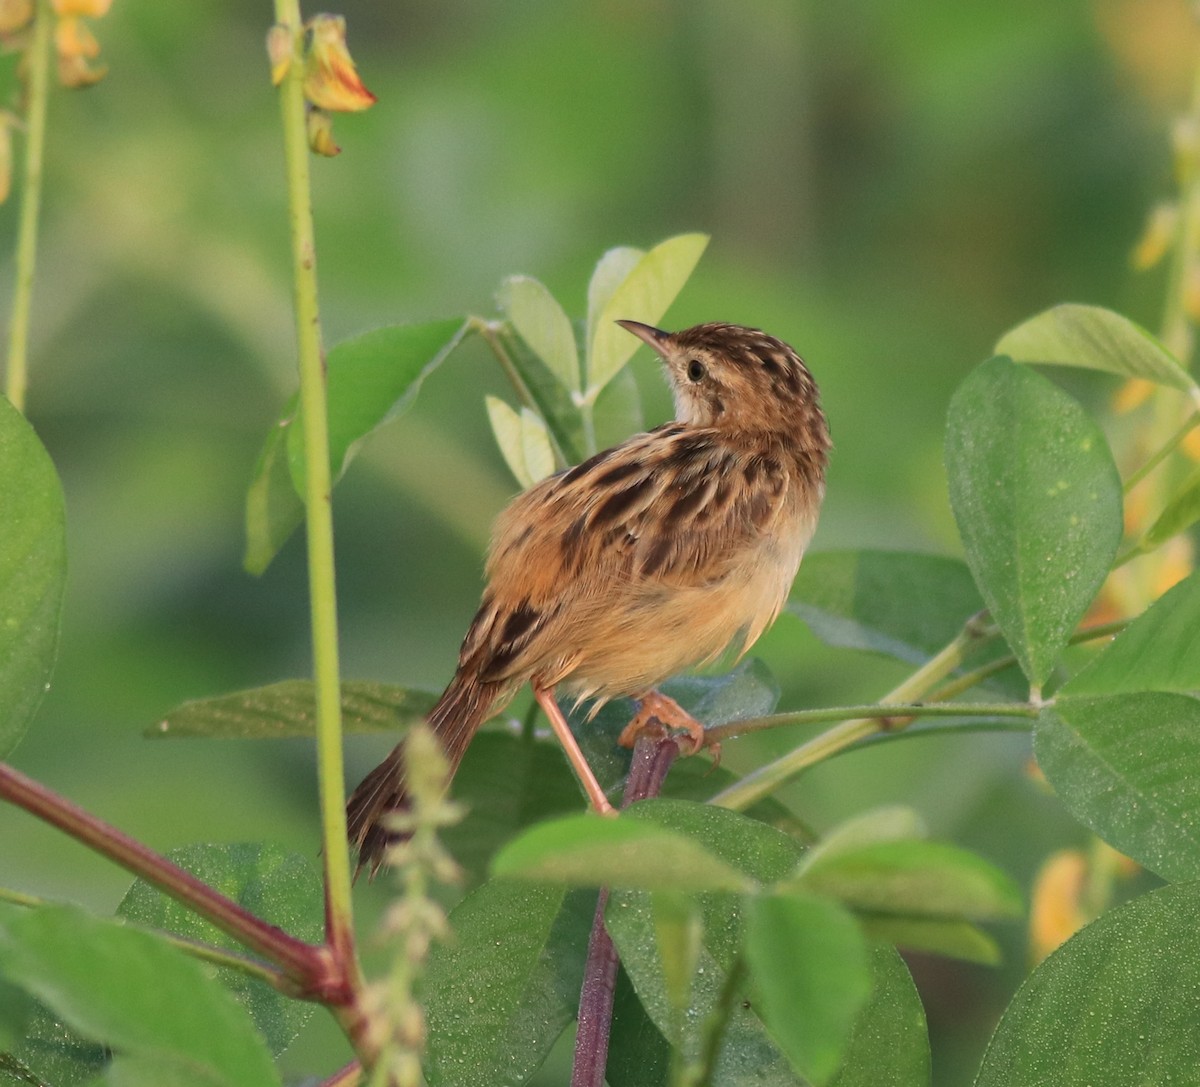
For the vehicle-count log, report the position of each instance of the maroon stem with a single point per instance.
(652, 759)
(313, 971)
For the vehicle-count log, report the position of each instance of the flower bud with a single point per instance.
(279, 51)
(320, 133)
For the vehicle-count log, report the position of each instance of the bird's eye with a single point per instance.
(695, 370)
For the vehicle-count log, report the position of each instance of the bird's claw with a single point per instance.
(657, 716)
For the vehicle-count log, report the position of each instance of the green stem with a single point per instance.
(1177, 325)
(967, 680)
(1164, 451)
(766, 779)
(339, 920)
(883, 716)
(38, 90)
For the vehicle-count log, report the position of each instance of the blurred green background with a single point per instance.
(888, 186)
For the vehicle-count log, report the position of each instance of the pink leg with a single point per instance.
(545, 698)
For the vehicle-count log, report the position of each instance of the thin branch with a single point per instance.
(311, 970)
(884, 715)
(38, 90)
(1164, 451)
(652, 759)
(339, 917)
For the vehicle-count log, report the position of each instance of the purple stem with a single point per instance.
(652, 759)
(313, 971)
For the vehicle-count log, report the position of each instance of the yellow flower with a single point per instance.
(1055, 912)
(75, 46)
(330, 79)
(91, 8)
(15, 15)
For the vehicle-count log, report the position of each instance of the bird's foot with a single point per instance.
(657, 716)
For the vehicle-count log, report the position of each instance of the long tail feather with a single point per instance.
(455, 719)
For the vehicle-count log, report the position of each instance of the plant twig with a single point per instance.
(339, 920)
(652, 758)
(975, 632)
(884, 716)
(311, 970)
(38, 91)
(1165, 450)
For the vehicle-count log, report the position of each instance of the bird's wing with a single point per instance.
(669, 510)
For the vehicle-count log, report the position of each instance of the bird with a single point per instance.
(648, 558)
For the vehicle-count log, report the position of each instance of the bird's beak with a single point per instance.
(648, 334)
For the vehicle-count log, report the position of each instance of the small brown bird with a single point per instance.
(644, 560)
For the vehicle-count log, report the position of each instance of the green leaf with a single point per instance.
(288, 709)
(282, 888)
(273, 509)
(747, 1053)
(49, 1052)
(33, 570)
(1116, 1004)
(924, 879)
(889, 1045)
(1038, 503)
(894, 602)
(934, 936)
(762, 853)
(536, 449)
(1158, 651)
(891, 823)
(809, 963)
(371, 378)
(638, 1054)
(1094, 338)
(133, 991)
(550, 398)
(1126, 767)
(160, 1070)
(678, 927)
(475, 989)
(506, 427)
(544, 325)
(618, 410)
(1181, 511)
(550, 1003)
(16, 1009)
(593, 851)
(508, 782)
(610, 272)
(644, 295)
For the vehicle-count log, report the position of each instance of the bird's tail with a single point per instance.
(455, 719)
